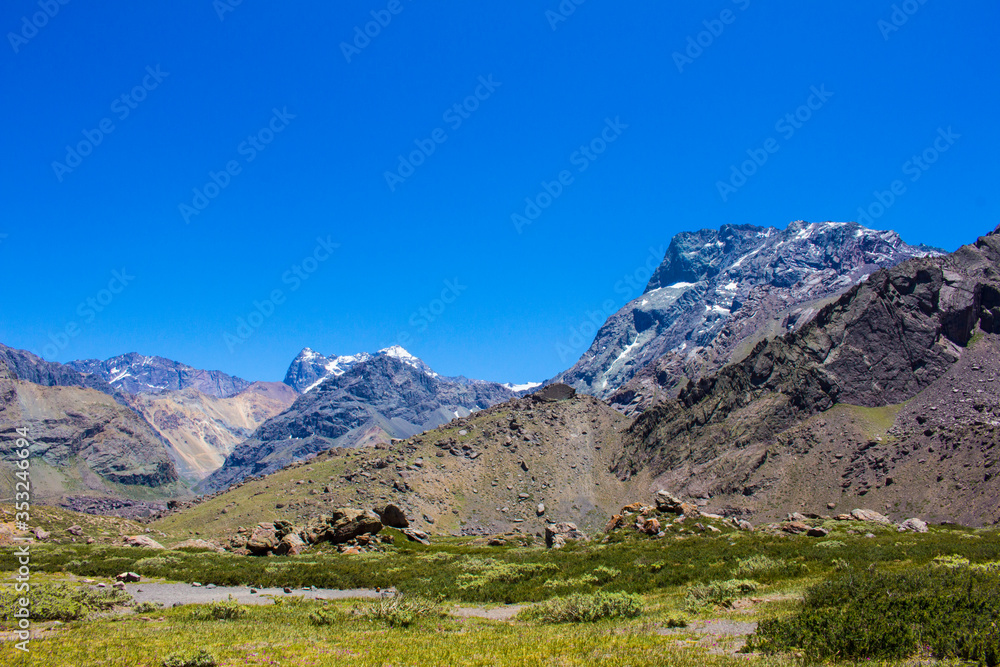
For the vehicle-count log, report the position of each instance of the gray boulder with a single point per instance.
(914, 525)
(557, 534)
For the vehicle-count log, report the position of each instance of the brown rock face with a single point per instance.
(393, 517)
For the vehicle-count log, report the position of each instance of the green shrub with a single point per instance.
(721, 593)
(400, 611)
(830, 544)
(200, 659)
(864, 615)
(146, 607)
(60, 602)
(585, 608)
(756, 565)
(326, 616)
(225, 610)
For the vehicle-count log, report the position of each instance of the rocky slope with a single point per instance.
(82, 441)
(202, 430)
(515, 465)
(719, 291)
(387, 396)
(887, 393)
(135, 373)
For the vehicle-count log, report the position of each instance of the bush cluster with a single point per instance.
(585, 608)
(860, 615)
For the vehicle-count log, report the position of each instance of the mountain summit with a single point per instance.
(719, 291)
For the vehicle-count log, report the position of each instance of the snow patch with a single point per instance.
(522, 387)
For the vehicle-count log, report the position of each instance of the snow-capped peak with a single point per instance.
(522, 387)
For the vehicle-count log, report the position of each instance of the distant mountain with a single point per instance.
(202, 430)
(135, 373)
(24, 365)
(719, 291)
(310, 368)
(81, 439)
(392, 394)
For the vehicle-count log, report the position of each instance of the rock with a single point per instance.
(689, 510)
(417, 536)
(42, 534)
(286, 589)
(196, 584)
(616, 522)
(143, 541)
(348, 523)
(291, 544)
(89, 540)
(796, 516)
(210, 586)
(633, 508)
(795, 527)
(554, 392)
(540, 510)
(127, 576)
(263, 539)
(831, 506)
(843, 517)
(496, 542)
(198, 544)
(120, 585)
(393, 517)
(650, 526)
(915, 525)
(75, 530)
(557, 534)
(712, 529)
(870, 515)
(668, 502)
(816, 531)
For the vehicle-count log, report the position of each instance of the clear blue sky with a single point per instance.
(212, 83)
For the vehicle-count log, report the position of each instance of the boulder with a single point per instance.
(417, 536)
(142, 541)
(291, 544)
(870, 515)
(650, 526)
(557, 534)
(689, 510)
(668, 502)
(816, 531)
(393, 517)
(915, 525)
(42, 535)
(616, 522)
(128, 577)
(263, 539)
(75, 530)
(796, 516)
(348, 523)
(795, 527)
(633, 508)
(554, 392)
(540, 510)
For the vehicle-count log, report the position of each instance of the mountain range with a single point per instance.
(760, 368)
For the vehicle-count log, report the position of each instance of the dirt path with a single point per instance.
(170, 594)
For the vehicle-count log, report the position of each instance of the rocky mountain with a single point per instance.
(202, 429)
(135, 373)
(82, 441)
(888, 393)
(310, 368)
(716, 293)
(389, 395)
(23, 365)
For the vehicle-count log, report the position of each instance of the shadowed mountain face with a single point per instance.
(24, 365)
(718, 292)
(81, 440)
(823, 405)
(385, 397)
(135, 373)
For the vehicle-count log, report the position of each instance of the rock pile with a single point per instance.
(356, 530)
(557, 534)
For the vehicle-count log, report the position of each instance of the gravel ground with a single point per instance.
(171, 594)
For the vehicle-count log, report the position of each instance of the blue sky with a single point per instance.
(249, 148)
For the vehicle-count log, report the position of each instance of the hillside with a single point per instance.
(887, 393)
(480, 474)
